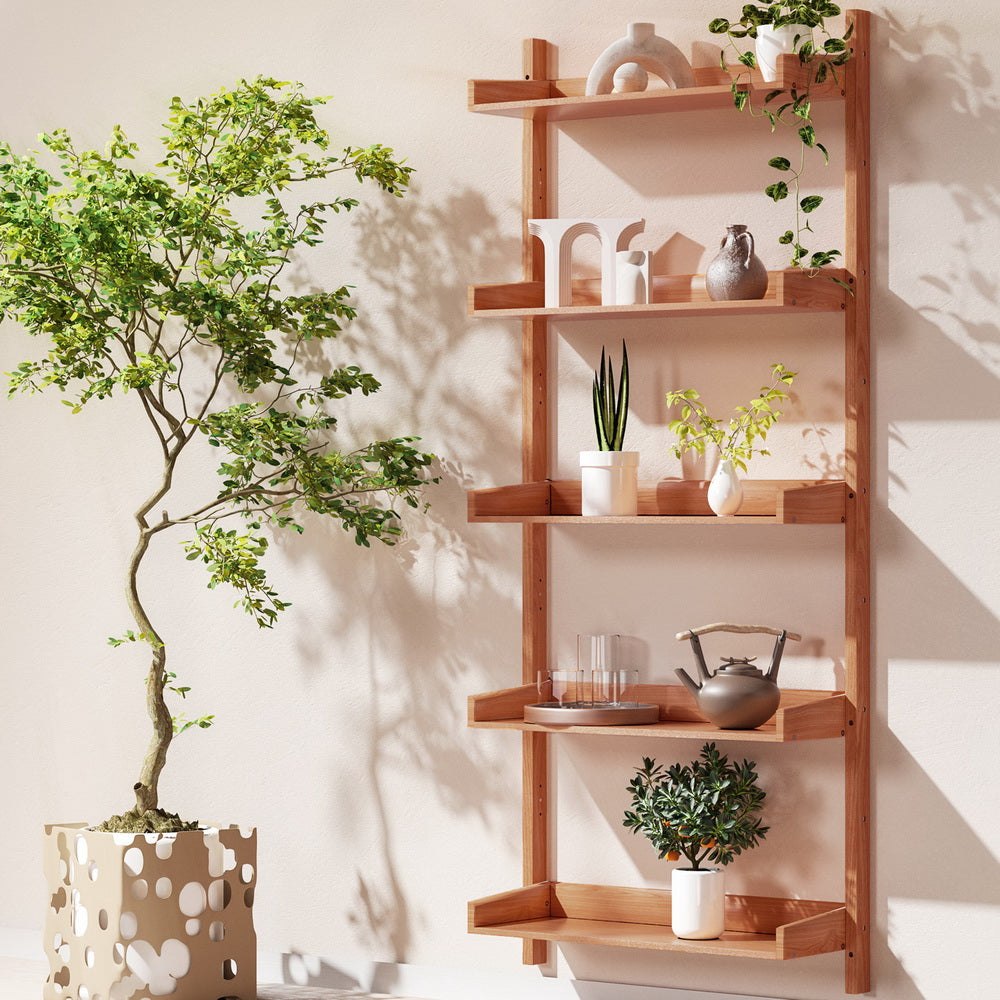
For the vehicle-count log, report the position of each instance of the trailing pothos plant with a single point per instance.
(820, 58)
(706, 811)
(164, 285)
(737, 440)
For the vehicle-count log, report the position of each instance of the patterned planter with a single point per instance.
(137, 916)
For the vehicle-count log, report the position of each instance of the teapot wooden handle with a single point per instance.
(726, 627)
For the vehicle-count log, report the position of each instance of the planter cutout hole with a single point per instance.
(133, 861)
(216, 931)
(192, 899)
(140, 889)
(128, 925)
(164, 887)
(229, 969)
(191, 927)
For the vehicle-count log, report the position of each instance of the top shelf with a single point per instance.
(566, 100)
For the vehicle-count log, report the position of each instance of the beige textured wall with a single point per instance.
(341, 733)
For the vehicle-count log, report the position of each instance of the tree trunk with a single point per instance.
(146, 788)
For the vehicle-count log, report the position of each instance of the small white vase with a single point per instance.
(773, 42)
(697, 903)
(609, 483)
(725, 491)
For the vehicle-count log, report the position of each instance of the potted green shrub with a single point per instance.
(797, 27)
(737, 441)
(164, 285)
(706, 812)
(609, 476)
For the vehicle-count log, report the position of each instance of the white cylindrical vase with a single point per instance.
(609, 483)
(773, 42)
(697, 903)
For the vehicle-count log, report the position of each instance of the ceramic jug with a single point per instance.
(737, 272)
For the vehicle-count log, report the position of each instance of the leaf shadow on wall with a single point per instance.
(434, 607)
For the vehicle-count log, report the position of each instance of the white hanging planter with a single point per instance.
(158, 914)
(773, 42)
(697, 903)
(725, 491)
(609, 483)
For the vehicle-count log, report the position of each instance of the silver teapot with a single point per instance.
(738, 695)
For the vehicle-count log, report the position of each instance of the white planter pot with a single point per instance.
(609, 483)
(773, 42)
(697, 903)
(150, 915)
(725, 491)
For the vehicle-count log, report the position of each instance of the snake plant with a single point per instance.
(611, 408)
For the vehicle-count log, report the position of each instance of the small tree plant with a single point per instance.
(165, 285)
(706, 811)
(696, 428)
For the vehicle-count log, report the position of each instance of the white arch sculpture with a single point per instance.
(641, 45)
(557, 236)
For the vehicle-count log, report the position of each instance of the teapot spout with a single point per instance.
(779, 648)
(694, 688)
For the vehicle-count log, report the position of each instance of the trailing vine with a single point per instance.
(791, 107)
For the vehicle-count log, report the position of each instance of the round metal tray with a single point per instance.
(551, 713)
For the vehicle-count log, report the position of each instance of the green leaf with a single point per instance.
(740, 98)
(718, 26)
(779, 163)
(808, 135)
(786, 237)
(810, 203)
(748, 59)
(776, 192)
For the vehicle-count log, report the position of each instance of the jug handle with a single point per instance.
(749, 238)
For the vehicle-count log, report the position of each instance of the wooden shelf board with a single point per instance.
(756, 926)
(566, 100)
(669, 501)
(674, 295)
(802, 715)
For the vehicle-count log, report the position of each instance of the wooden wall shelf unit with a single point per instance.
(756, 926)
(545, 910)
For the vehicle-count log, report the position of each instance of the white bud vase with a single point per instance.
(725, 491)
(697, 903)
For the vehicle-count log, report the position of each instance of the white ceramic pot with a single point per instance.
(609, 483)
(159, 914)
(773, 42)
(698, 903)
(725, 491)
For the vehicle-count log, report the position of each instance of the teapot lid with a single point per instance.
(732, 667)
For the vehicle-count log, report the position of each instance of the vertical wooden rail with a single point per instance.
(535, 467)
(857, 538)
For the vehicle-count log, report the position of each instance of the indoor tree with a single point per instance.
(163, 284)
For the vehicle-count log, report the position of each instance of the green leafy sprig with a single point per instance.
(737, 441)
(611, 407)
(790, 107)
(706, 811)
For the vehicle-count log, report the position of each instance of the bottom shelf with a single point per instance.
(756, 926)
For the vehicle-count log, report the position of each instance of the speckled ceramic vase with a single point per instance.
(737, 272)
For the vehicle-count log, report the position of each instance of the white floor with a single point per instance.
(22, 979)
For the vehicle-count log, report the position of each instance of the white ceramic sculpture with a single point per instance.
(644, 47)
(557, 236)
(632, 277)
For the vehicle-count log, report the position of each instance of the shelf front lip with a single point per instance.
(769, 501)
(756, 926)
(577, 105)
(789, 291)
(802, 715)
